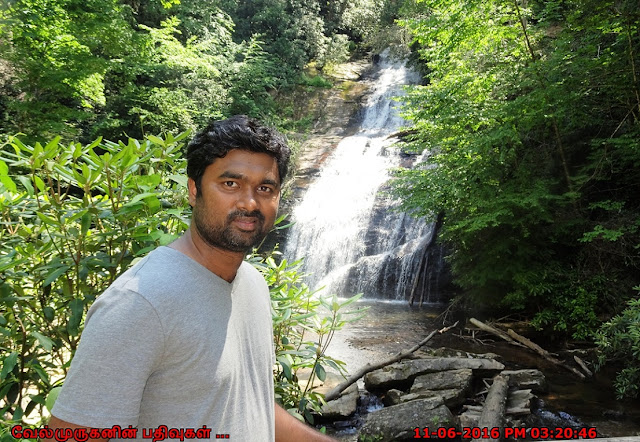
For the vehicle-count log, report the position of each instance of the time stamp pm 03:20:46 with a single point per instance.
(542, 433)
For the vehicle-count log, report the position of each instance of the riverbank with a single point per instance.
(390, 328)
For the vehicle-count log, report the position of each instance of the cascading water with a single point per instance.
(347, 230)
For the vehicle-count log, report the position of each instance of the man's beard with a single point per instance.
(227, 237)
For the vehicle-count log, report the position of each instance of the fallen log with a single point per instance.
(514, 338)
(494, 406)
(335, 392)
(582, 365)
(542, 352)
(494, 331)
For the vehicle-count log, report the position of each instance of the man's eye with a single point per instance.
(230, 183)
(265, 189)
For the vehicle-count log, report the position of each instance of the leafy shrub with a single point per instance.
(619, 340)
(73, 218)
(304, 325)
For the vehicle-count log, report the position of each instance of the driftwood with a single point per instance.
(494, 331)
(545, 354)
(494, 406)
(515, 338)
(335, 392)
(582, 365)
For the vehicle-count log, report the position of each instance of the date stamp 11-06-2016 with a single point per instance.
(532, 433)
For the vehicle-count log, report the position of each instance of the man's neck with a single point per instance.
(222, 262)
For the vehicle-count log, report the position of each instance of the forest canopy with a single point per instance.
(81, 69)
(531, 119)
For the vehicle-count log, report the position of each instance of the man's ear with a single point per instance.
(193, 191)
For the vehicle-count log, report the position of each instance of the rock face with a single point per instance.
(401, 374)
(398, 423)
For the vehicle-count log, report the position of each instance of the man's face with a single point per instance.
(238, 200)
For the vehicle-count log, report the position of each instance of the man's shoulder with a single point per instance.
(164, 274)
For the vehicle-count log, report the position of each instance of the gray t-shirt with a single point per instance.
(170, 343)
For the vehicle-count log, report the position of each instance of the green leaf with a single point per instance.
(26, 183)
(136, 199)
(8, 365)
(180, 179)
(51, 277)
(286, 362)
(77, 310)
(47, 219)
(46, 342)
(156, 140)
(351, 300)
(320, 372)
(85, 223)
(52, 397)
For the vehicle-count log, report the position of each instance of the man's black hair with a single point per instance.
(237, 132)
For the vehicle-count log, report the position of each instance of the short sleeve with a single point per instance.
(121, 344)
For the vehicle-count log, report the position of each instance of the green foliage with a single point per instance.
(530, 120)
(304, 325)
(315, 81)
(618, 340)
(60, 51)
(73, 218)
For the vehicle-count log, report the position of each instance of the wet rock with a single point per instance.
(442, 380)
(529, 378)
(393, 397)
(397, 423)
(344, 406)
(452, 385)
(401, 374)
(451, 397)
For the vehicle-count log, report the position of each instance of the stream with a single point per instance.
(391, 327)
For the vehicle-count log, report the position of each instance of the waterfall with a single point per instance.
(346, 228)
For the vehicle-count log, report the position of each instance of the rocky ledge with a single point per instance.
(441, 389)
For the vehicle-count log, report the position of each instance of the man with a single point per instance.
(183, 338)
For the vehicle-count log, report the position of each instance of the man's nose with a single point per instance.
(247, 200)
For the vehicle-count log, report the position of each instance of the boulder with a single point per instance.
(529, 378)
(344, 406)
(398, 423)
(401, 374)
(451, 385)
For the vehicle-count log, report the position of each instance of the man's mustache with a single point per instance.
(244, 214)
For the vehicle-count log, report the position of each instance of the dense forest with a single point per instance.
(529, 111)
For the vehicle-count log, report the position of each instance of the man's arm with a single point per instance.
(290, 429)
(54, 423)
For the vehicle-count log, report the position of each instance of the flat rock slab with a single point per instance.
(443, 380)
(397, 423)
(451, 396)
(344, 406)
(401, 374)
(451, 385)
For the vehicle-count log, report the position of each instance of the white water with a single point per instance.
(350, 237)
